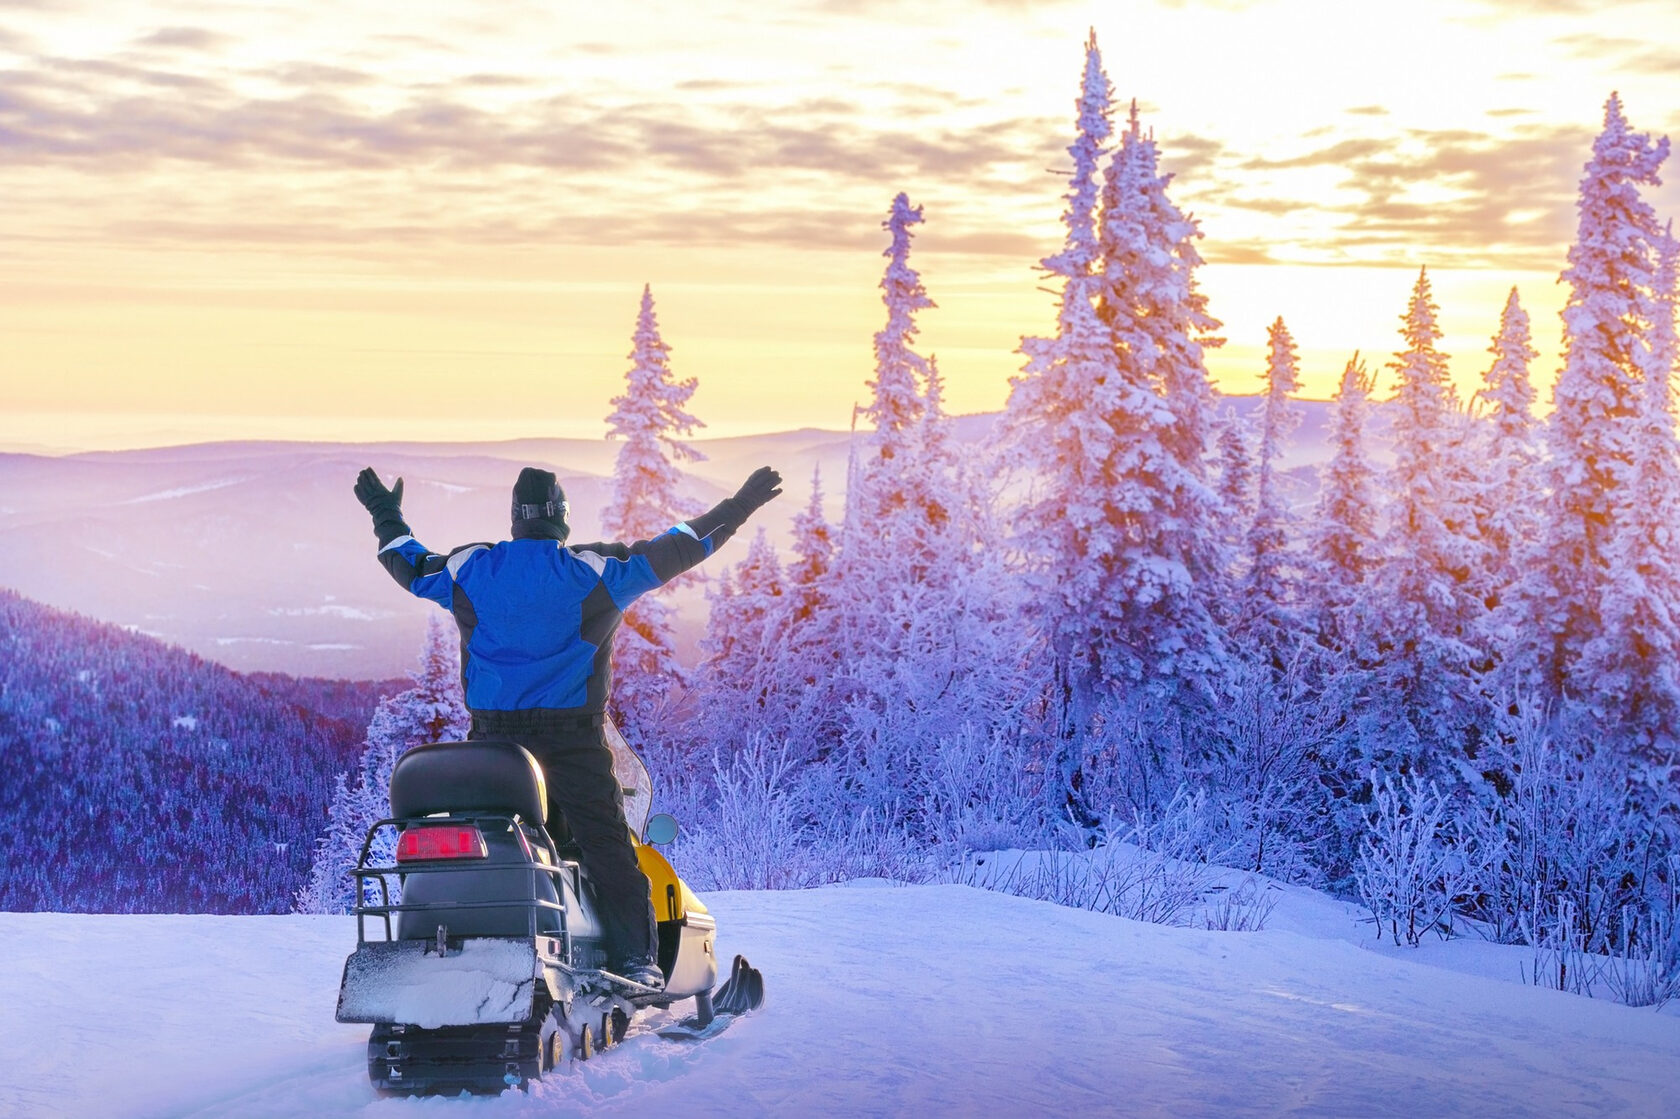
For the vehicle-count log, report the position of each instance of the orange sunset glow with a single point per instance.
(384, 221)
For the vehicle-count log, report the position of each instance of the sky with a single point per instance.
(379, 220)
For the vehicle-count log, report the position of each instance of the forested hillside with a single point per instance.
(141, 778)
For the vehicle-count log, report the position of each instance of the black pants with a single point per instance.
(585, 796)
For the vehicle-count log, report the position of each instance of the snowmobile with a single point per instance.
(491, 968)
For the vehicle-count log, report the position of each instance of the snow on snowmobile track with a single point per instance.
(884, 1000)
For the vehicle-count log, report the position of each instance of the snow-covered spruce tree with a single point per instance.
(433, 710)
(1236, 481)
(1344, 527)
(891, 492)
(650, 417)
(747, 684)
(1424, 634)
(1509, 496)
(1270, 622)
(918, 594)
(1635, 660)
(887, 478)
(1077, 427)
(813, 550)
(810, 649)
(1596, 404)
(1160, 328)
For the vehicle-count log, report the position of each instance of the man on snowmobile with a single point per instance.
(537, 620)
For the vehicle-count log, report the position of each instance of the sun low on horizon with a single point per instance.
(374, 221)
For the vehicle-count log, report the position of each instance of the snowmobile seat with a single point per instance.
(465, 777)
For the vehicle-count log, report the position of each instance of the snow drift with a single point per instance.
(883, 1000)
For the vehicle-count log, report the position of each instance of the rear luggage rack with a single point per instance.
(525, 833)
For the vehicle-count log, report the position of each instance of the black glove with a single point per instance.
(383, 505)
(764, 484)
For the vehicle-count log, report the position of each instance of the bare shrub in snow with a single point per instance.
(1561, 959)
(976, 791)
(1237, 780)
(1558, 824)
(1643, 968)
(1113, 878)
(1244, 909)
(1409, 868)
(755, 835)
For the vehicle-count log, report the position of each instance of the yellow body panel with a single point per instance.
(672, 899)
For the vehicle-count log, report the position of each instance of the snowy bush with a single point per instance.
(1237, 779)
(1560, 960)
(1411, 866)
(1244, 909)
(1643, 968)
(1116, 878)
(976, 791)
(754, 835)
(1557, 823)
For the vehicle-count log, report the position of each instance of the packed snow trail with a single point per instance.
(882, 1000)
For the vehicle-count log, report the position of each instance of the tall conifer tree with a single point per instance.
(650, 417)
(1345, 527)
(889, 476)
(889, 491)
(1059, 418)
(1511, 457)
(1269, 619)
(1596, 402)
(1160, 328)
(1635, 662)
(1430, 587)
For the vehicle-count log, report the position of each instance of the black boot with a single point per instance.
(645, 972)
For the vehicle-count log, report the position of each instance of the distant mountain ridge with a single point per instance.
(256, 555)
(140, 778)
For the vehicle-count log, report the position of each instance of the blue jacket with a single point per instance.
(537, 618)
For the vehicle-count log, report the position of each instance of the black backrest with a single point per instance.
(466, 777)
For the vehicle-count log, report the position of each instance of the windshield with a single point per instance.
(632, 778)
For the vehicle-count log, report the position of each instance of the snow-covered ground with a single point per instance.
(882, 1000)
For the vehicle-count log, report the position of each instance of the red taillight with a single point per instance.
(450, 841)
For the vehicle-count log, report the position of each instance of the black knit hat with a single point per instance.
(539, 506)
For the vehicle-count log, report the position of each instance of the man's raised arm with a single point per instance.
(656, 562)
(416, 569)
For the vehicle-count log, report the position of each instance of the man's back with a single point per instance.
(537, 619)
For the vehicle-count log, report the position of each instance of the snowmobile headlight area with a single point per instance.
(452, 841)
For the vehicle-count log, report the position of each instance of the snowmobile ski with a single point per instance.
(741, 993)
(690, 1029)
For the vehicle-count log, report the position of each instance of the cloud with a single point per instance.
(1549, 7)
(1640, 56)
(101, 112)
(1339, 154)
(1237, 252)
(315, 75)
(183, 39)
(1457, 195)
(873, 8)
(1190, 156)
